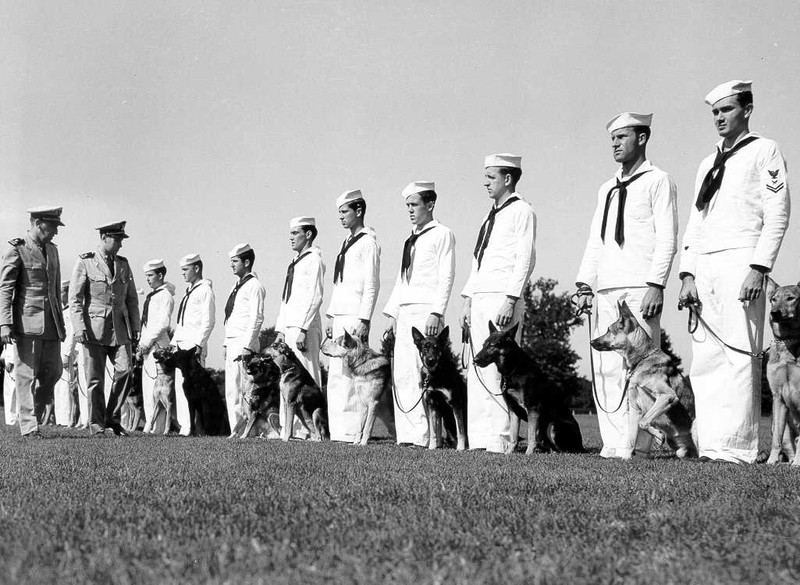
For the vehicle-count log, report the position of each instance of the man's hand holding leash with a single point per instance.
(466, 312)
(6, 335)
(753, 285)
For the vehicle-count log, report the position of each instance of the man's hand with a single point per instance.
(466, 313)
(506, 312)
(432, 324)
(688, 294)
(362, 329)
(81, 337)
(301, 340)
(5, 334)
(280, 337)
(9, 366)
(391, 330)
(329, 329)
(653, 302)
(583, 301)
(752, 287)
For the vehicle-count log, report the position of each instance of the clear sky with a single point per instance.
(206, 124)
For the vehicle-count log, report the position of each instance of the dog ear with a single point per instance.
(492, 328)
(628, 318)
(771, 287)
(512, 333)
(444, 334)
(417, 335)
(237, 359)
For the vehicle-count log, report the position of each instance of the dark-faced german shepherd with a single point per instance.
(207, 413)
(445, 391)
(530, 396)
(300, 393)
(655, 386)
(262, 398)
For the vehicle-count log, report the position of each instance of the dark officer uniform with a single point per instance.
(30, 305)
(104, 306)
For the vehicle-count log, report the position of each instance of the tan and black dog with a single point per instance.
(530, 396)
(163, 395)
(133, 409)
(783, 373)
(262, 398)
(372, 378)
(300, 393)
(444, 388)
(207, 413)
(655, 386)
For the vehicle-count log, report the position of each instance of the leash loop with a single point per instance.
(695, 318)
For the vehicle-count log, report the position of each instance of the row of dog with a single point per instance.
(655, 387)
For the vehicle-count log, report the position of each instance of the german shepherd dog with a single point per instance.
(300, 392)
(372, 377)
(530, 396)
(207, 413)
(655, 386)
(132, 408)
(783, 373)
(444, 388)
(262, 398)
(162, 396)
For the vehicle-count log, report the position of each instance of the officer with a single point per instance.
(30, 314)
(105, 317)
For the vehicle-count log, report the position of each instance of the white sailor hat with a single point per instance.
(239, 249)
(628, 119)
(349, 197)
(46, 213)
(190, 259)
(153, 265)
(503, 159)
(115, 230)
(418, 187)
(729, 88)
(301, 221)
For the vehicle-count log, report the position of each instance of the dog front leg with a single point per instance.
(366, 433)
(513, 432)
(779, 412)
(251, 420)
(461, 431)
(151, 418)
(433, 426)
(288, 427)
(533, 432)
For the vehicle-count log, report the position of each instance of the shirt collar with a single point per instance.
(748, 135)
(645, 166)
(430, 224)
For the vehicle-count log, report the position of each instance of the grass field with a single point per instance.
(175, 510)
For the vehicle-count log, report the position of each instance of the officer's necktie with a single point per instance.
(146, 309)
(622, 194)
(338, 267)
(110, 262)
(713, 179)
(287, 284)
(232, 298)
(408, 247)
(486, 229)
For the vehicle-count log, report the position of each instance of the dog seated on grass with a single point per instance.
(207, 413)
(530, 396)
(372, 377)
(656, 389)
(300, 393)
(262, 397)
(783, 373)
(163, 394)
(444, 388)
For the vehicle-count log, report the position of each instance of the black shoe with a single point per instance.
(96, 429)
(33, 435)
(118, 430)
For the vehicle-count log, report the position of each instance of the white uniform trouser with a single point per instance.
(411, 427)
(62, 393)
(609, 372)
(487, 419)
(83, 395)
(343, 407)
(726, 384)
(310, 360)
(181, 404)
(235, 378)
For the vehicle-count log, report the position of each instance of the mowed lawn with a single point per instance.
(143, 509)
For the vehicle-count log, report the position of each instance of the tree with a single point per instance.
(549, 319)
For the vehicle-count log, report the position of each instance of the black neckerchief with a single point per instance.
(234, 292)
(408, 247)
(486, 229)
(622, 188)
(338, 267)
(287, 284)
(713, 179)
